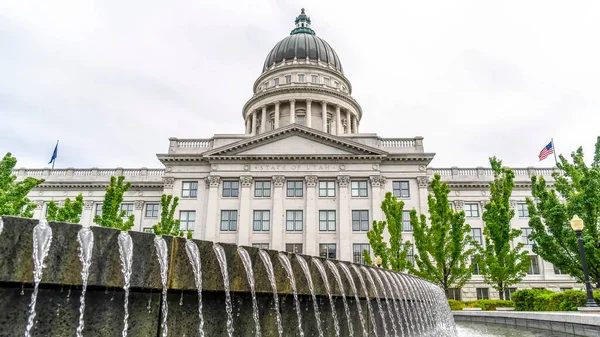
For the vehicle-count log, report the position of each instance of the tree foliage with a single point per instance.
(70, 212)
(444, 245)
(394, 256)
(13, 194)
(576, 191)
(112, 216)
(168, 225)
(500, 264)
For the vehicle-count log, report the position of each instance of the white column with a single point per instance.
(263, 120)
(354, 124)
(344, 222)
(87, 217)
(276, 115)
(338, 120)
(308, 113)
(212, 208)
(348, 122)
(248, 125)
(138, 213)
(292, 111)
(253, 131)
(278, 219)
(324, 115)
(310, 219)
(377, 183)
(245, 224)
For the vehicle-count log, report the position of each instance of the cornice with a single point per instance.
(284, 66)
(469, 185)
(96, 184)
(297, 157)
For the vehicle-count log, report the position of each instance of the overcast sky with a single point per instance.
(113, 80)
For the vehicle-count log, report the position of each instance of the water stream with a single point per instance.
(395, 300)
(126, 253)
(387, 299)
(364, 288)
(338, 279)
(42, 239)
(321, 269)
(287, 265)
(220, 252)
(381, 312)
(193, 254)
(311, 287)
(85, 237)
(250, 276)
(269, 266)
(405, 304)
(162, 253)
(1, 225)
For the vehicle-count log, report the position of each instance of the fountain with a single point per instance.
(223, 266)
(306, 271)
(321, 269)
(250, 275)
(193, 254)
(85, 237)
(338, 279)
(285, 261)
(163, 259)
(264, 256)
(126, 252)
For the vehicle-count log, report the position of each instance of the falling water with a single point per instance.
(220, 252)
(427, 302)
(1, 225)
(406, 312)
(364, 288)
(331, 301)
(85, 237)
(387, 298)
(250, 275)
(394, 300)
(417, 311)
(163, 259)
(126, 252)
(304, 266)
(287, 265)
(338, 279)
(381, 312)
(269, 266)
(194, 256)
(42, 238)
(427, 314)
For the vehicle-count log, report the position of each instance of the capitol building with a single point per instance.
(302, 178)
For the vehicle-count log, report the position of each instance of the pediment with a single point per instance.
(294, 140)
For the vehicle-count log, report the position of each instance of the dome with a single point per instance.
(302, 44)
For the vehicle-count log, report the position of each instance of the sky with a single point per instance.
(113, 80)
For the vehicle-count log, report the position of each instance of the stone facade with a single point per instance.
(312, 185)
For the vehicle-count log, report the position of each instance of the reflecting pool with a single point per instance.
(466, 329)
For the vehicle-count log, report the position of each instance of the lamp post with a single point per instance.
(577, 225)
(378, 261)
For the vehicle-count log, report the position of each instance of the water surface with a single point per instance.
(466, 329)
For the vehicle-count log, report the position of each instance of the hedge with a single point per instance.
(485, 305)
(546, 300)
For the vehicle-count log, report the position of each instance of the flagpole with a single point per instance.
(54, 161)
(554, 151)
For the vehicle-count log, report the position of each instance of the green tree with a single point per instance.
(168, 225)
(444, 245)
(13, 194)
(112, 216)
(394, 256)
(70, 212)
(500, 264)
(578, 186)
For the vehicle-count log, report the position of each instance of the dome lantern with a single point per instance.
(302, 24)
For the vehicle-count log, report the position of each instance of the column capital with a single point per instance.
(246, 181)
(459, 205)
(278, 181)
(212, 181)
(343, 181)
(264, 107)
(338, 107)
(138, 204)
(168, 182)
(88, 204)
(311, 181)
(292, 100)
(309, 101)
(277, 103)
(377, 181)
(423, 182)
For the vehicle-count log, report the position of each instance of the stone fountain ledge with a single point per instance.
(63, 266)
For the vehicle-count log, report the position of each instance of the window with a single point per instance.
(475, 266)
(326, 81)
(261, 221)
(314, 79)
(337, 84)
(406, 226)
(525, 233)
(189, 189)
(294, 221)
(328, 125)
(454, 294)
(288, 79)
(360, 221)
(187, 220)
(128, 208)
(276, 82)
(231, 189)
(558, 271)
(410, 256)
(261, 245)
(301, 120)
(301, 78)
(295, 189)
(534, 265)
(471, 210)
(358, 250)
(229, 221)
(359, 188)
(508, 293)
(483, 293)
(522, 210)
(272, 123)
(401, 189)
(266, 84)
(327, 221)
(476, 235)
(147, 230)
(262, 189)
(327, 250)
(451, 204)
(327, 188)
(98, 210)
(293, 248)
(152, 210)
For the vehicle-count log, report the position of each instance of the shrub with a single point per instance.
(486, 305)
(524, 298)
(456, 305)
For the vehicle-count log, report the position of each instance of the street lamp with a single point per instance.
(577, 225)
(378, 261)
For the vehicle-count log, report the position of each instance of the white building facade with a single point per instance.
(302, 178)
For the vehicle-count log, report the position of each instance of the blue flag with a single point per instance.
(54, 154)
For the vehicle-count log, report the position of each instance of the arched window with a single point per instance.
(301, 119)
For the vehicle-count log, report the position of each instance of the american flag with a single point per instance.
(546, 151)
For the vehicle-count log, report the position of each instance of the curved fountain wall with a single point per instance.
(403, 304)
